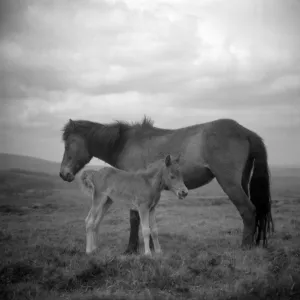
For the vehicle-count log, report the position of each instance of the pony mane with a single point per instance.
(84, 127)
(79, 127)
(146, 122)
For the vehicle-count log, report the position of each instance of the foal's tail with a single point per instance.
(86, 182)
(260, 194)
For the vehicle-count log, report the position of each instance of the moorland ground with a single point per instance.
(42, 246)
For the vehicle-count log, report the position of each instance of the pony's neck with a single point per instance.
(104, 143)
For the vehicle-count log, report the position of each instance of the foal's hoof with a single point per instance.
(90, 251)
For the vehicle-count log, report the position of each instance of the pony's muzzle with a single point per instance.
(66, 176)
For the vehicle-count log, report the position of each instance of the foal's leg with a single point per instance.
(90, 233)
(154, 231)
(93, 220)
(144, 216)
(106, 205)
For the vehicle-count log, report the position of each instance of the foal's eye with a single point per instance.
(172, 177)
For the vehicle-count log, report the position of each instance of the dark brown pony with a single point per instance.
(221, 149)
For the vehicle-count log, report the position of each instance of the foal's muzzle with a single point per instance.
(182, 194)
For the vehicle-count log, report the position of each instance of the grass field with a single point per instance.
(42, 246)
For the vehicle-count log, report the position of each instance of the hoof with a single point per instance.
(159, 252)
(90, 251)
(247, 246)
(130, 252)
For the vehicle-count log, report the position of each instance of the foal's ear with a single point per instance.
(168, 161)
(177, 159)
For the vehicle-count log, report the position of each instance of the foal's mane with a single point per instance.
(113, 131)
(151, 168)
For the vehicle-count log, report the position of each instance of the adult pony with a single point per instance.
(221, 149)
(140, 188)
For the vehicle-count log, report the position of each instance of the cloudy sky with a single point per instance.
(180, 62)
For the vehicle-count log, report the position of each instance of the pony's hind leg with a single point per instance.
(93, 220)
(144, 216)
(154, 231)
(246, 209)
(229, 172)
(246, 176)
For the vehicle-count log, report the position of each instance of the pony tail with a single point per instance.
(260, 194)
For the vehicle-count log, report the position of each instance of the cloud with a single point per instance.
(180, 62)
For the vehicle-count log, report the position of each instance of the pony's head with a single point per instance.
(172, 176)
(76, 154)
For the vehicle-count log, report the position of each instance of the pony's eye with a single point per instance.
(172, 177)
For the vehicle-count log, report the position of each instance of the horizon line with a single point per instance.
(103, 162)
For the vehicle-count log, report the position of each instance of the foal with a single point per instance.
(142, 189)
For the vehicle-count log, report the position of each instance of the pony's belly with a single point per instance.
(196, 176)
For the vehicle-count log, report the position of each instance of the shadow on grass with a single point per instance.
(5, 236)
(12, 210)
(22, 210)
(19, 272)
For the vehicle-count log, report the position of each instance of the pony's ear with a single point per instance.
(168, 161)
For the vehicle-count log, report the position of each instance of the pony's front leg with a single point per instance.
(144, 216)
(154, 231)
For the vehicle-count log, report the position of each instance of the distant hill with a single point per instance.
(284, 178)
(28, 163)
(11, 161)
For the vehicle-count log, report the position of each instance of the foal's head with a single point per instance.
(173, 178)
